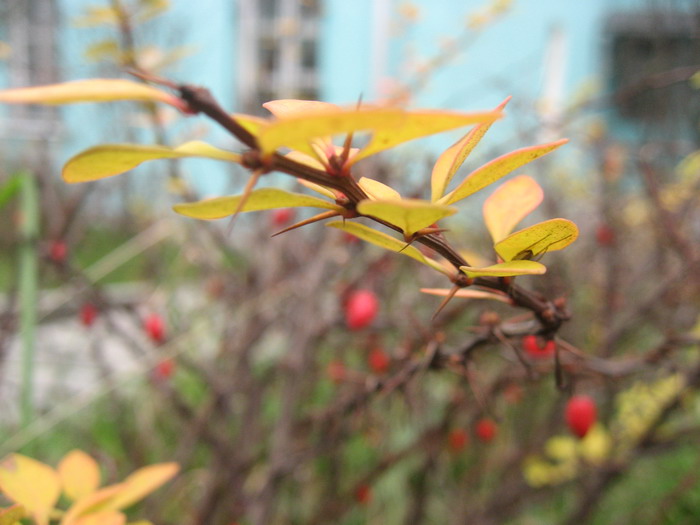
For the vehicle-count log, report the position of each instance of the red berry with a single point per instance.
(164, 369)
(580, 414)
(363, 494)
(155, 328)
(532, 347)
(88, 314)
(283, 216)
(605, 235)
(457, 440)
(486, 430)
(336, 371)
(58, 251)
(378, 360)
(360, 309)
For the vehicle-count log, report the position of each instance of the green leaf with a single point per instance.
(9, 189)
(377, 190)
(547, 236)
(112, 159)
(91, 90)
(30, 483)
(410, 215)
(506, 269)
(12, 515)
(387, 242)
(453, 157)
(498, 168)
(418, 124)
(261, 199)
(509, 204)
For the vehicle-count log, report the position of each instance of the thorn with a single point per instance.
(244, 198)
(446, 300)
(325, 215)
(149, 77)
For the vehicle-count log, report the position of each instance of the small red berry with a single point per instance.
(164, 369)
(155, 328)
(379, 361)
(58, 251)
(532, 347)
(580, 414)
(457, 439)
(283, 216)
(360, 309)
(605, 235)
(486, 430)
(88, 314)
(363, 494)
(336, 371)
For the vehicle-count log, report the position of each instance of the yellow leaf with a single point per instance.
(91, 90)
(30, 483)
(97, 16)
(496, 169)
(141, 483)
(419, 124)
(468, 294)
(296, 132)
(326, 192)
(509, 204)
(250, 123)
(453, 157)
(112, 159)
(286, 108)
(79, 473)
(12, 515)
(102, 518)
(98, 501)
(506, 269)
(261, 199)
(410, 215)
(387, 242)
(376, 190)
(547, 236)
(303, 158)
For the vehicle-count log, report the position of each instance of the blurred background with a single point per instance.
(139, 336)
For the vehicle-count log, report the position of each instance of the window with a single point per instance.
(278, 46)
(29, 29)
(653, 54)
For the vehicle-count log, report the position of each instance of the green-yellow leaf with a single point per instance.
(141, 483)
(30, 483)
(410, 215)
(250, 123)
(506, 269)
(547, 236)
(303, 158)
(453, 157)
(12, 515)
(79, 473)
(468, 294)
(509, 204)
(261, 199)
(376, 190)
(91, 90)
(112, 159)
(498, 168)
(418, 124)
(387, 242)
